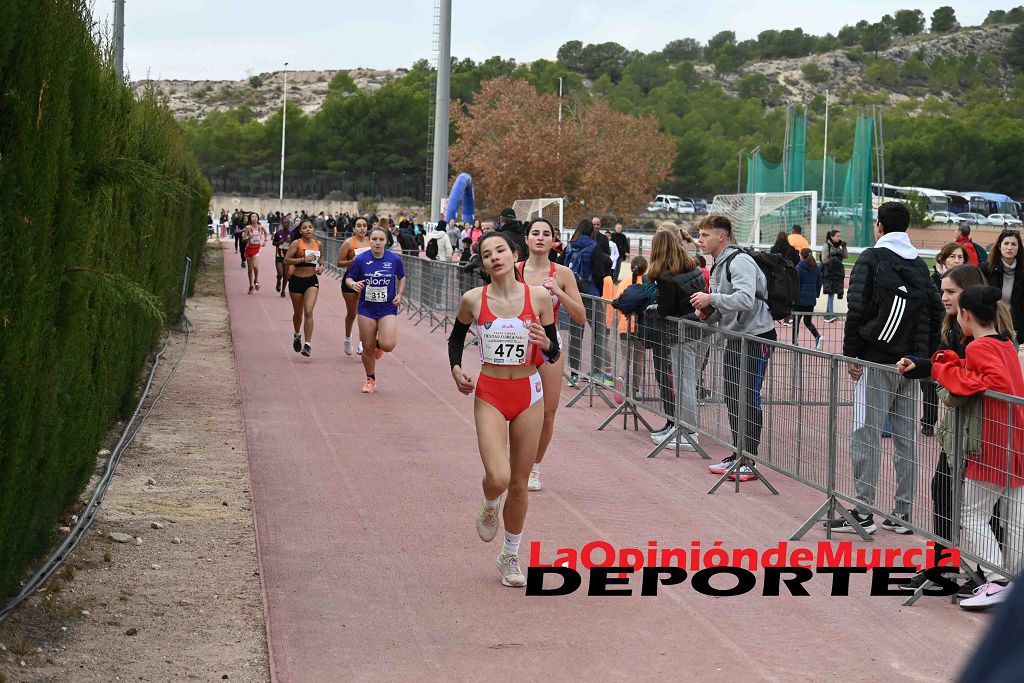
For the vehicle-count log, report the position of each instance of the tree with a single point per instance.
(995, 16)
(729, 58)
(686, 49)
(876, 37)
(1014, 52)
(571, 55)
(753, 86)
(908, 22)
(342, 84)
(717, 42)
(848, 36)
(944, 20)
(814, 73)
(582, 160)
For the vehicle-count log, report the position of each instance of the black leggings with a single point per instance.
(807, 319)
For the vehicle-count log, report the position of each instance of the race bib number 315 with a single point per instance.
(377, 295)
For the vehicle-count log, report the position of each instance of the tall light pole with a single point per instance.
(439, 173)
(739, 168)
(284, 119)
(119, 38)
(824, 153)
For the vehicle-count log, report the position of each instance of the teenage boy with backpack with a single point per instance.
(739, 291)
(894, 311)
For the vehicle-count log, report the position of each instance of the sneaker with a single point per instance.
(927, 430)
(348, 346)
(487, 521)
(574, 380)
(722, 467)
(817, 344)
(297, 343)
(307, 350)
(511, 574)
(787, 323)
(830, 320)
(534, 483)
(377, 353)
(250, 289)
(370, 386)
(243, 264)
(970, 586)
(257, 286)
(359, 348)
(890, 525)
(282, 292)
(688, 444)
(744, 473)
(277, 286)
(841, 526)
(986, 595)
(662, 434)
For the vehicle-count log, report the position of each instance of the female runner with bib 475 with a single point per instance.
(516, 334)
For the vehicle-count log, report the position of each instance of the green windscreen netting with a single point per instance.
(843, 187)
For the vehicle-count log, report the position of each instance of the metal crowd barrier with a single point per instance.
(787, 408)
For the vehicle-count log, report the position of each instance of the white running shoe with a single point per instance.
(487, 521)
(348, 346)
(359, 348)
(534, 483)
(511, 574)
(985, 596)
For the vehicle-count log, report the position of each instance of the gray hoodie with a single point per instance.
(737, 296)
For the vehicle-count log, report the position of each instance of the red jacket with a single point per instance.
(972, 251)
(991, 364)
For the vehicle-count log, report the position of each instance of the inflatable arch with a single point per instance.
(461, 196)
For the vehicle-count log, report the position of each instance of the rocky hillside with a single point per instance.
(842, 72)
(262, 93)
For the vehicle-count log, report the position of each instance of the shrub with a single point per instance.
(255, 81)
(814, 73)
(109, 194)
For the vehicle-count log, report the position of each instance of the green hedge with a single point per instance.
(101, 200)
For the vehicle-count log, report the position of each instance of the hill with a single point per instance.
(849, 74)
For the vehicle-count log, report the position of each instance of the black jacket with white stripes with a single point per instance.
(859, 296)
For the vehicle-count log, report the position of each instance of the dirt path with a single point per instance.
(189, 595)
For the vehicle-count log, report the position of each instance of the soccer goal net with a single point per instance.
(550, 208)
(757, 218)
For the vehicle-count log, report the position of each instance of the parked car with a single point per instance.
(1004, 220)
(971, 218)
(664, 202)
(942, 217)
(686, 207)
(701, 205)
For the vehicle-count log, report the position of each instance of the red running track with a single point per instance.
(373, 570)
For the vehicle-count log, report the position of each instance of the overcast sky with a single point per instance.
(232, 39)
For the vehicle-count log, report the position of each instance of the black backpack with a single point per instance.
(899, 297)
(431, 250)
(781, 277)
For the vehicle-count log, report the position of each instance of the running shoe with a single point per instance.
(511, 574)
(377, 353)
(487, 521)
(282, 292)
(307, 349)
(277, 286)
(257, 285)
(359, 348)
(243, 264)
(817, 343)
(970, 585)
(662, 434)
(897, 526)
(574, 380)
(370, 386)
(348, 346)
(841, 526)
(985, 596)
(722, 467)
(744, 473)
(534, 483)
(297, 343)
(250, 289)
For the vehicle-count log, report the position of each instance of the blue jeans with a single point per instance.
(828, 305)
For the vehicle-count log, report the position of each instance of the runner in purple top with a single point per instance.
(281, 240)
(378, 276)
